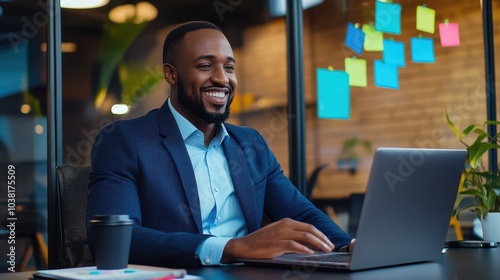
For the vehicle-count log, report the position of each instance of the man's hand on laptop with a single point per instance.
(350, 247)
(283, 236)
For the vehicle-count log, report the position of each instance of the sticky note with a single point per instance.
(354, 38)
(388, 17)
(422, 50)
(374, 40)
(394, 52)
(333, 94)
(426, 19)
(449, 34)
(386, 75)
(356, 69)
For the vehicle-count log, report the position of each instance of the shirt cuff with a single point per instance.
(210, 251)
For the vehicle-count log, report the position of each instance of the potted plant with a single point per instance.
(477, 181)
(349, 158)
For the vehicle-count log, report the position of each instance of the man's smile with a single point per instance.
(217, 97)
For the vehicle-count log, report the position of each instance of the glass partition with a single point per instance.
(23, 135)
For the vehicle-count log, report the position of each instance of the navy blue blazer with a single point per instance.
(141, 167)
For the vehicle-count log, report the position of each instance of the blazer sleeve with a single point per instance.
(283, 200)
(113, 189)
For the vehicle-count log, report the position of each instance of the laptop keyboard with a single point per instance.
(329, 258)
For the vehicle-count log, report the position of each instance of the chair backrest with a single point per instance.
(72, 188)
(311, 182)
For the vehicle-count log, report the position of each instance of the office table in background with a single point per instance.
(456, 264)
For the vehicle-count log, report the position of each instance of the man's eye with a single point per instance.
(229, 67)
(204, 66)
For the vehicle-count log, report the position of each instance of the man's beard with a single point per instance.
(198, 108)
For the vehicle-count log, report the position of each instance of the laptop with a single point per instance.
(405, 215)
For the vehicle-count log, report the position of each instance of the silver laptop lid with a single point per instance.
(407, 207)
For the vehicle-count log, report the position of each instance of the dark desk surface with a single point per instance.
(456, 264)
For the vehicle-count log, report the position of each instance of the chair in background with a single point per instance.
(72, 188)
(311, 183)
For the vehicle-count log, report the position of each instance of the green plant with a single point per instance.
(349, 158)
(349, 146)
(478, 181)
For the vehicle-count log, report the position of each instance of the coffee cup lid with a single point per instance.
(111, 219)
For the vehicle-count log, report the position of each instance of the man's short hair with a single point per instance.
(175, 37)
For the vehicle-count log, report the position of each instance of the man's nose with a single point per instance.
(219, 76)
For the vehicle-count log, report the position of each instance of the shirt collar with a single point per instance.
(187, 128)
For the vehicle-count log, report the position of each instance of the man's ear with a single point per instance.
(170, 73)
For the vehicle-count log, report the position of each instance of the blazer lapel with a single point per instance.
(243, 185)
(175, 145)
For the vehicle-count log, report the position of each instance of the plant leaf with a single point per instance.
(137, 79)
(492, 197)
(452, 126)
(473, 192)
(468, 130)
(116, 39)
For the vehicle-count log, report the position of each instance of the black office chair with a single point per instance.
(72, 188)
(311, 181)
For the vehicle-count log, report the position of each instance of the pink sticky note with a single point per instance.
(448, 32)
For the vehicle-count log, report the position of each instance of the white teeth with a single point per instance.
(216, 94)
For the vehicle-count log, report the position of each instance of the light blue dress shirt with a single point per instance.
(221, 214)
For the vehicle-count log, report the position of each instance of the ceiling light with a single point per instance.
(139, 13)
(278, 8)
(122, 13)
(83, 4)
(145, 12)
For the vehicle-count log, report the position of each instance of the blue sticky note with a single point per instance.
(386, 75)
(422, 50)
(333, 94)
(388, 17)
(394, 53)
(354, 38)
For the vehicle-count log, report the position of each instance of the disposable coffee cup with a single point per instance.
(111, 235)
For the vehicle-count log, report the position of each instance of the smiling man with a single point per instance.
(197, 188)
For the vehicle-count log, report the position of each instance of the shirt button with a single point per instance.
(207, 260)
(216, 190)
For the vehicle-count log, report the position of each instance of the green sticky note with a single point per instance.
(374, 40)
(356, 68)
(426, 19)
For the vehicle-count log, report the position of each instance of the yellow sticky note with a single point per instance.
(374, 40)
(426, 19)
(356, 68)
